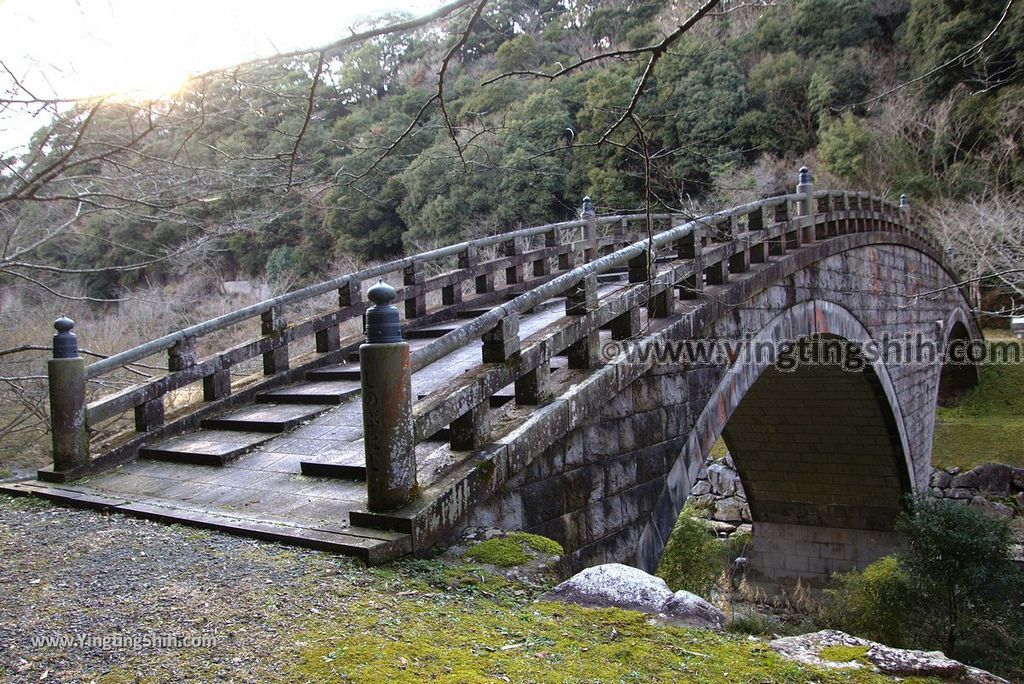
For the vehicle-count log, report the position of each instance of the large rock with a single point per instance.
(992, 509)
(807, 648)
(620, 586)
(940, 479)
(723, 479)
(701, 488)
(613, 585)
(690, 610)
(992, 478)
(732, 509)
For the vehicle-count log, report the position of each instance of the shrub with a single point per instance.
(693, 559)
(872, 603)
(954, 588)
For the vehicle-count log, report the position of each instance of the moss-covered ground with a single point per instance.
(282, 614)
(987, 424)
(444, 637)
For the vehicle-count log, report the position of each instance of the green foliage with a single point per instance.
(937, 31)
(954, 588)
(816, 27)
(693, 559)
(845, 144)
(872, 603)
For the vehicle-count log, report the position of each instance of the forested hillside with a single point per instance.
(496, 117)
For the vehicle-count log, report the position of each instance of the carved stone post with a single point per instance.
(386, 373)
(805, 207)
(589, 230)
(66, 373)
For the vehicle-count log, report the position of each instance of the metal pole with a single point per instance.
(386, 373)
(66, 373)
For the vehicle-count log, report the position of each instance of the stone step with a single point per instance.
(345, 463)
(320, 392)
(338, 471)
(264, 418)
(472, 313)
(346, 371)
(430, 333)
(381, 521)
(205, 447)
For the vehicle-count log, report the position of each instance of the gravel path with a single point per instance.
(122, 585)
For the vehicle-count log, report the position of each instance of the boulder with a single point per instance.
(732, 509)
(620, 586)
(689, 610)
(992, 509)
(701, 488)
(613, 585)
(940, 479)
(806, 649)
(992, 478)
(723, 479)
(1018, 478)
(959, 493)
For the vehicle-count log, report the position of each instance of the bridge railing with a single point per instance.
(468, 274)
(684, 259)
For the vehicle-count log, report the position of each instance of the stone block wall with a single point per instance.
(839, 462)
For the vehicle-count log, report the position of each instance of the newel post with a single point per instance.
(805, 207)
(66, 374)
(589, 230)
(905, 212)
(386, 372)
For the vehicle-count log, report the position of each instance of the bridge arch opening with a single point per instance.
(958, 374)
(819, 454)
(820, 448)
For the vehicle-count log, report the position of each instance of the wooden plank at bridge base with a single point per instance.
(370, 545)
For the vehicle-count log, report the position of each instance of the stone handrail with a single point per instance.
(186, 367)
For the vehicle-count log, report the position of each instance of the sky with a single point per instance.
(145, 48)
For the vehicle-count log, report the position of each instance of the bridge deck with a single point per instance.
(299, 486)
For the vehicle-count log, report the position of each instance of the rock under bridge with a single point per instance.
(545, 393)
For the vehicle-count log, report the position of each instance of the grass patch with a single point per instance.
(987, 424)
(433, 639)
(838, 653)
(513, 549)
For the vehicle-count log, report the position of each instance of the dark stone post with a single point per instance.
(589, 230)
(66, 372)
(384, 365)
(805, 207)
(905, 212)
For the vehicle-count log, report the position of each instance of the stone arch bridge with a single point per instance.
(544, 395)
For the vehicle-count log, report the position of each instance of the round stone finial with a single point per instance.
(63, 324)
(904, 202)
(588, 207)
(805, 175)
(65, 342)
(381, 294)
